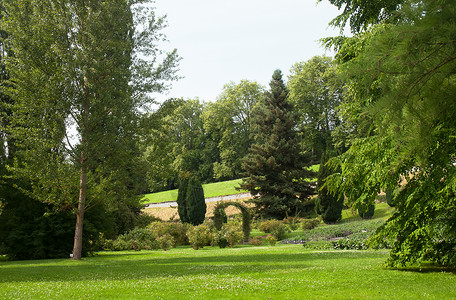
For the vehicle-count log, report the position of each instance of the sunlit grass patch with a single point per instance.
(280, 272)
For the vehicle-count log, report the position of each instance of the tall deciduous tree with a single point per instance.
(275, 170)
(316, 92)
(402, 82)
(228, 121)
(87, 65)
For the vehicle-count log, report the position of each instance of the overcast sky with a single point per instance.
(222, 41)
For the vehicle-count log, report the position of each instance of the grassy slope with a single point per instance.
(281, 272)
(210, 190)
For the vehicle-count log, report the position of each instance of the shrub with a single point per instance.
(256, 241)
(275, 227)
(389, 195)
(220, 239)
(292, 222)
(308, 224)
(367, 211)
(271, 240)
(319, 245)
(329, 205)
(177, 230)
(233, 233)
(199, 236)
(165, 242)
(137, 239)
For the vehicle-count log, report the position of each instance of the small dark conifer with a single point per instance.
(196, 204)
(329, 205)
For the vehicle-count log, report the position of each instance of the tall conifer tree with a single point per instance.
(275, 169)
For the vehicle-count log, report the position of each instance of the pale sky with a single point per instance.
(222, 41)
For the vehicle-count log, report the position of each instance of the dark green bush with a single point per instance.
(367, 211)
(389, 195)
(182, 200)
(196, 204)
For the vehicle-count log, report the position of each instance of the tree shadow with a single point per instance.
(112, 267)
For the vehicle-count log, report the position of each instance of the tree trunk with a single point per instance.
(77, 247)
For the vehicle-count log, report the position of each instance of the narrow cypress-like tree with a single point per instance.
(196, 204)
(275, 169)
(182, 200)
(329, 205)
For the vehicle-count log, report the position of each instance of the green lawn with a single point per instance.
(210, 190)
(243, 272)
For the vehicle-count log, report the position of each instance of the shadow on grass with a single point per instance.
(151, 265)
(426, 269)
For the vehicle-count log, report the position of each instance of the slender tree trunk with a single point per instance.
(77, 248)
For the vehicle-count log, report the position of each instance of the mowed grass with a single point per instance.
(210, 190)
(243, 272)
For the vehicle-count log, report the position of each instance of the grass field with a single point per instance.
(210, 190)
(243, 272)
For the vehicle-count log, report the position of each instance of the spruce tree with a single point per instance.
(275, 169)
(329, 205)
(196, 204)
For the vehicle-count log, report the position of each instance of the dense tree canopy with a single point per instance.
(402, 75)
(82, 65)
(228, 121)
(316, 91)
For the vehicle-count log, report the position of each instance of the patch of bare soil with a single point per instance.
(170, 213)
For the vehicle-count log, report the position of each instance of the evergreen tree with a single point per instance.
(329, 205)
(275, 169)
(195, 201)
(182, 200)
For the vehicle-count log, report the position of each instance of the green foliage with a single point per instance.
(220, 216)
(199, 236)
(182, 200)
(362, 14)
(228, 121)
(308, 224)
(389, 195)
(277, 228)
(166, 242)
(330, 204)
(272, 240)
(402, 88)
(344, 229)
(230, 235)
(274, 167)
(367, 211)
(195, 202)
(77, 66)
(178, 231)
(137, 239)
(316, 92)
(256, 241)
